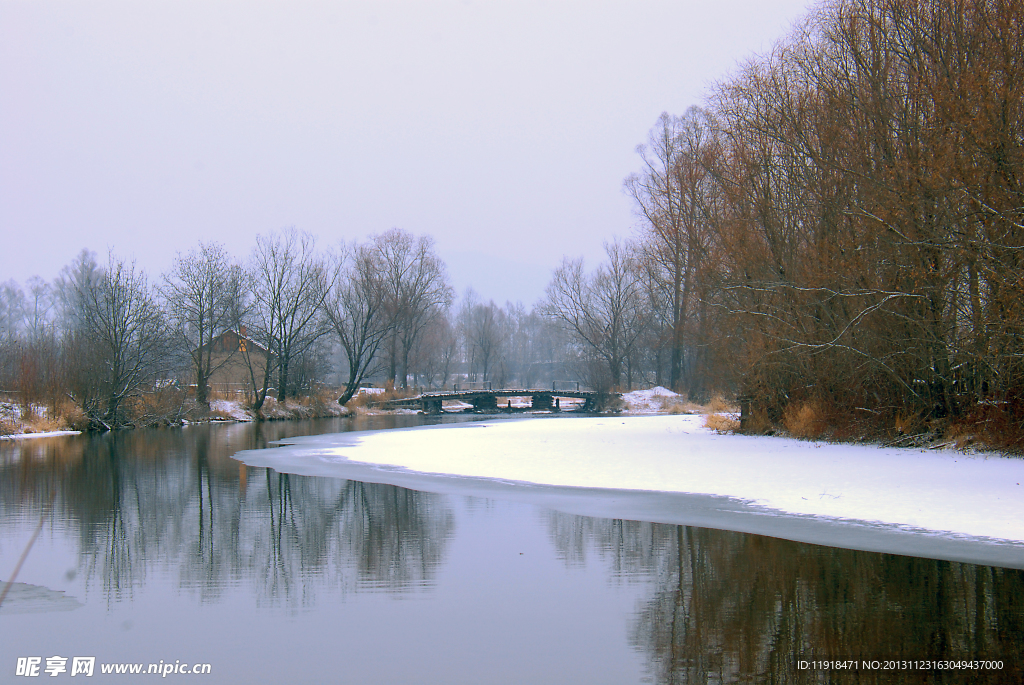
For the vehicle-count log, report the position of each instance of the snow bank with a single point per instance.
(44, 434)
(941, 492)
(649, 401)
(231, 409)
(27, 424)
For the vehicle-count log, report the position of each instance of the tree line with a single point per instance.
(107, 338)
(126, 349)
(838, 233)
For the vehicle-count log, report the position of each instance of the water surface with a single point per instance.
(157, 545)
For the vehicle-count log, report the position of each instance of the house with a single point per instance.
(235, 360)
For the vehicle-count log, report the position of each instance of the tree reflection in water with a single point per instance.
(141, 502)
(732, 607)
(716, 607)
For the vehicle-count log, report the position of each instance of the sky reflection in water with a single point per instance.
(176, 551)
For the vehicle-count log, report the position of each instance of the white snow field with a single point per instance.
(864, 497)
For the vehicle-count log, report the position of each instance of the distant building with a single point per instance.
(232, 355)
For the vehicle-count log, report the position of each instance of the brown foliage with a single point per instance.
(803, 421)
(998, 426)
(372, 399)
(721, 424)
(868, 242)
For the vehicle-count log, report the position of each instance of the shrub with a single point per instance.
(8, 426)
(804, 421)
(721, 423)
(718, 404)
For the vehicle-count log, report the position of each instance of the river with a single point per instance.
(157, 547)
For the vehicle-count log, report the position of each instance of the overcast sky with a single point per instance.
(504, 129)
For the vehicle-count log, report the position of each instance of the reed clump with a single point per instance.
(721, 423)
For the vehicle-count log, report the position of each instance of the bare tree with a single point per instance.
(12, 310)
(38, 307)
(675, 195)
(417, 291)
(357, 310)
(201, 290)
(126, 332)
(433, 358)
(12, 306)
(289, 283)
(75, 281)
(484, 331)
(604, 311)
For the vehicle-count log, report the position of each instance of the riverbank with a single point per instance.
(16, 422)
(38, 420)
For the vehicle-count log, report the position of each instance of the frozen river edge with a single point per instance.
(942, 505)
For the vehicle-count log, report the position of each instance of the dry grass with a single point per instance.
(65, 415)
(961, 436)
(997, 426)
(720, 404)
(218, 415)
(72, 415)
(228, 395)
(368, 400)
(166, 406)
(721, 423)
(44, 424)
(678, 405)
(759, 423)
(322, 403)
(9, 426)
(908, 424)
(804, 421)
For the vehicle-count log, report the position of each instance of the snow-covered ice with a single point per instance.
(931, 493)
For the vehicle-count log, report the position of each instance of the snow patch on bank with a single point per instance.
(940, 491)
(44, 434)
(17, 423)
(231, 409)
(650, 401)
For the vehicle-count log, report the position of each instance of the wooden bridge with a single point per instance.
(486, 401)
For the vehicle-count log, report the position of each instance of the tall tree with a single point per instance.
(417, 291)
(126, 331)
(604, 311)
(201, 291)
(289, 282)
(483, 328)
(357, 310)
(675, 195)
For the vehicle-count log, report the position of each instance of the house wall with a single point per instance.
(229, 360)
